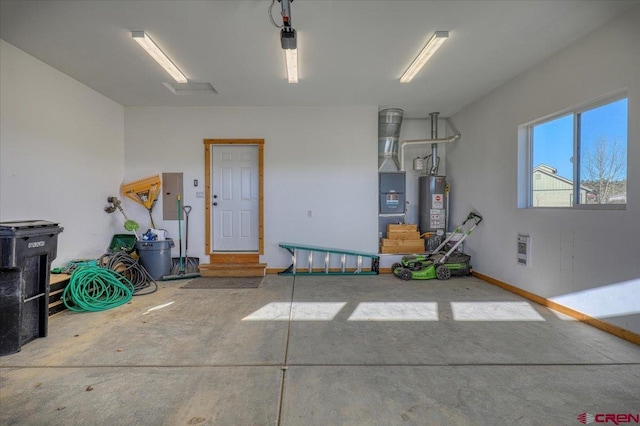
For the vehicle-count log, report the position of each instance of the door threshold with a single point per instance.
(234, 257)
(235, 252)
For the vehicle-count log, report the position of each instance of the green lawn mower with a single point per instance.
(439, 264)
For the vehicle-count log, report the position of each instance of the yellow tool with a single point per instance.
(143, 191)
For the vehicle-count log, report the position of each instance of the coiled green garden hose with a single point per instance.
(93, 289)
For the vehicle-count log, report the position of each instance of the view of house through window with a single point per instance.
(580, 158)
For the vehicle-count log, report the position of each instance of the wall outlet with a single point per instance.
(199, 194)
(309, 213)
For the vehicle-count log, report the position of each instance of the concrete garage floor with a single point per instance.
(321, 351)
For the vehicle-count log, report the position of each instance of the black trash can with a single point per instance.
(27, 249)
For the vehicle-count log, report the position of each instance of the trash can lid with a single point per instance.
(9, 228)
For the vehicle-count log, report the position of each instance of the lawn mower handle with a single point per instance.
(474, 215)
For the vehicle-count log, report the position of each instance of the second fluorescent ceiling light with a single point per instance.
(291, 58)
(288, 41)
(152, 49)
(427, 52)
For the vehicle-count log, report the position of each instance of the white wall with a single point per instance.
(318, 159)
(61, 153)
(586, 260)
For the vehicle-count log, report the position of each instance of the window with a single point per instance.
(580, 157)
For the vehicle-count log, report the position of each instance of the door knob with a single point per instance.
(215, 204)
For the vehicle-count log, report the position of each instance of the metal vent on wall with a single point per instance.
(524, 250)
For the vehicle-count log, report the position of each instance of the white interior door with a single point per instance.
(234, 197)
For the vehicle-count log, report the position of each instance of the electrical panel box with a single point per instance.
(171, 188)
(524, 250)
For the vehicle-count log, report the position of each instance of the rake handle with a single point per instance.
(187, 210)
(181, 271)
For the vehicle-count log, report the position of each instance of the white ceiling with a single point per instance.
(350, 52)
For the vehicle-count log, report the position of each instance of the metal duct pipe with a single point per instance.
(389, 123)
(434, 146)
(434, 124)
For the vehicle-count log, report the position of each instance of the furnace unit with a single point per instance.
(391, 180)
(392, 200)
(392, 193)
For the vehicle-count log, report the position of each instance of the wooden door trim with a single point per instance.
(207, 195)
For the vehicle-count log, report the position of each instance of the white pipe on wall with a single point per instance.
(406, 142)
(423, 142)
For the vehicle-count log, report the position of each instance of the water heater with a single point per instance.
(432, 206)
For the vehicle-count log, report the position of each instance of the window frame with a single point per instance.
(575, 113)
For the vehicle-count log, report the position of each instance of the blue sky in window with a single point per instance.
(553, 140)
(553, 145)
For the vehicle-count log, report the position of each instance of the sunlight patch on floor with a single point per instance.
(395, 311)
(494, 311)
(299, 311)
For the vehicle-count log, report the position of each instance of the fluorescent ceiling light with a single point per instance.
(430, 48)
(152, 49)
(291, 57)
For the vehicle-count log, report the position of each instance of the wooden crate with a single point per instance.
(402, 246)
(401, 250)
(401, 227)
(402, 239)
(403, 235)
(386, 242)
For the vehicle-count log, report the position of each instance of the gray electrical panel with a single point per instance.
(432, 207)
(171, 189)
